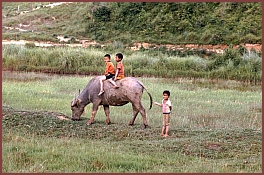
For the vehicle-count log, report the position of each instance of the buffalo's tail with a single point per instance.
(150, 97)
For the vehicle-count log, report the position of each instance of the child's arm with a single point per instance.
(156, 103)
(117, 70)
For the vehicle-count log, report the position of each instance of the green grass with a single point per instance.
(84, 20)
(215, 127)
(140, 63)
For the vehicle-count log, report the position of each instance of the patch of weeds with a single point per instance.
(209, 144)
(24, 77)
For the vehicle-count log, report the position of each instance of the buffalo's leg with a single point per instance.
(107, 112)
(95, 108)
(142, 111)
(135, 113)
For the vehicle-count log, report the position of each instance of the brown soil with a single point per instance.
(136, 46)
(213, 48)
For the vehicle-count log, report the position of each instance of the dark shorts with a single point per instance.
(108, 76)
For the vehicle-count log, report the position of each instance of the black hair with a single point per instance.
(166, 92)
(119, 55)
(107, 55)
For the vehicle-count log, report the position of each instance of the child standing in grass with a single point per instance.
(109, 73)
(166, 109)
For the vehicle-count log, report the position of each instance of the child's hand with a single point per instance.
(156, 103)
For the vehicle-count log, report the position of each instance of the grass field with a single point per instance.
(215, 127)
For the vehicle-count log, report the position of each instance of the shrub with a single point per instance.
(30, 45)
(250, 39)
(232, 55)
(118, 44)
(148, 63)
(241, 50)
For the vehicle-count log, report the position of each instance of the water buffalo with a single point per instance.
(130, 90)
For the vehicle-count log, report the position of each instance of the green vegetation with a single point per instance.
(215, 128)
(127, 22)
(234, 64)
(119, 25)
(217, 106)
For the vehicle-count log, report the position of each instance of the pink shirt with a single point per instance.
(166, 107)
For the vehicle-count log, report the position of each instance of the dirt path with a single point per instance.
(40, 44)
(136, 46)
(209, 48)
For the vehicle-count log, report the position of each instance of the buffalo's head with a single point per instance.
(77, 108)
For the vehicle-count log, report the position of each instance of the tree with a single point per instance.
(102, 14)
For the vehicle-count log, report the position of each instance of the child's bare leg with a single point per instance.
(113, 82)
(162, 131)
(167, 131)
(102, 85)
